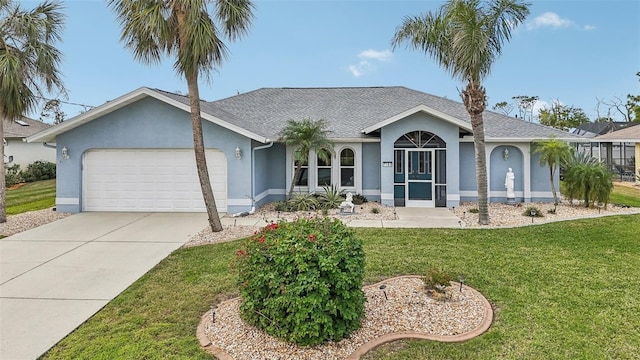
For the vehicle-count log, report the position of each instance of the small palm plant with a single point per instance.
(589, 179)
(332, 197)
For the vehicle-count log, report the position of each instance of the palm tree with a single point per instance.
(185, 29)
(29, 64)
(465, 37)
(553, 153)
(306, 136)
(589, 178)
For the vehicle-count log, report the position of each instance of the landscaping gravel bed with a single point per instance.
(407, 308)
(29, 220)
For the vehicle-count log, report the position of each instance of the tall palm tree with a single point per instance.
(553, 153)
(465, 37)
(29, 64)
(306, 136)
(185, 29)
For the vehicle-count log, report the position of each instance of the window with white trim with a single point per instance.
(303, 180)
(347, 167)
(324, 171)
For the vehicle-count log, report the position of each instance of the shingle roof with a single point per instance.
(12, 129)
(599, 128)
(350, 110)
(631, 133)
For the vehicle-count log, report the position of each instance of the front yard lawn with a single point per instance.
(31, 196)
(563, 290)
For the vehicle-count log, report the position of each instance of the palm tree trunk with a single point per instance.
(3, 185)
(296, 176)
(475, 102)
(201, 160)
(553, 186)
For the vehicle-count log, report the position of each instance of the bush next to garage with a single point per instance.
(301, 281)
(39, 170)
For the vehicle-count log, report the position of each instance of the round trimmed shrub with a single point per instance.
(301, 281)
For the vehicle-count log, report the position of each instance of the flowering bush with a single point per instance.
(301, 281)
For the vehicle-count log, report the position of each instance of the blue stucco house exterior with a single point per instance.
(394, 145)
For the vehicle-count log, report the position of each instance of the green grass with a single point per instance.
(32, 196)
(625, 195)
(566, 290)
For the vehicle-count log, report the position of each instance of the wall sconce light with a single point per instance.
(238, 153)
(505, 154)
(65, 153)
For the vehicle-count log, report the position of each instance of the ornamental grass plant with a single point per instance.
(301, 281)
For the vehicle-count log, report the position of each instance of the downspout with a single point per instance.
(253, 179)
(253, 173)
(49, 146)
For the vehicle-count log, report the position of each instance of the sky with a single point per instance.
(571, 51)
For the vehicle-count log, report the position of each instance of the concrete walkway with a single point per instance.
(415, 218)
(56, 276)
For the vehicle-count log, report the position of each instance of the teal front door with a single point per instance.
(419, 183)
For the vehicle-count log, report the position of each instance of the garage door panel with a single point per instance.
(150, 180)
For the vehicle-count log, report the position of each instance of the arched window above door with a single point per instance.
(419, 139)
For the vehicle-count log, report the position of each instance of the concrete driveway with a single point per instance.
(56, 276)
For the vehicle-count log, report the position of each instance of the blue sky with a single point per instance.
(571, 51)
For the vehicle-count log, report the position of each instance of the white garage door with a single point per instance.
(153, 180)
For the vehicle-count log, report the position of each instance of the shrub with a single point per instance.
(282, 206)
(474, 210)
(39, 170)
(303, 202)
(359, 199)
(13, 175)
(531, 210)
(588, 178)
(301, 281)
(331, 198)
(436, 280)
(375, 210)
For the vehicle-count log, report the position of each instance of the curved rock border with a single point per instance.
(484, 325)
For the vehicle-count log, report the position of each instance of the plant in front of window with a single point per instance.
(301, 281)
(305, 136)
(303, 202)
(332, 197)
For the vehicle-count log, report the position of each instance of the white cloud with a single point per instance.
(385, 55)
(367, 61)
(360, 69)
(589, 27)
(549, 19)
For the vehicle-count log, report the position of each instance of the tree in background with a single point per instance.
(306, 136)
(563, 117)
(503, 107)
(526, 105)
(465, 37)
(553, 153)
(185, 29)
(52, 111)
(29, 64)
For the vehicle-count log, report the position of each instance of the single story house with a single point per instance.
(626, 164)
(394, 145)
(17, 150)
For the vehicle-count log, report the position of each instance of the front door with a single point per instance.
(419, 178)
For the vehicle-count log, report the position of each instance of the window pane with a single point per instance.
(304, 181)
(346, 177)
(323, 162)
(347, 158)
(399, 156)
(324, 177)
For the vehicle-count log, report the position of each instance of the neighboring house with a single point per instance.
(392, 144)
(18, 150)
(592, 129)
(622, 143)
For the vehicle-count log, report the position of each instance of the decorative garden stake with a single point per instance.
(382, 287)
(461, 278)
(213, 313)
(533, 214)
